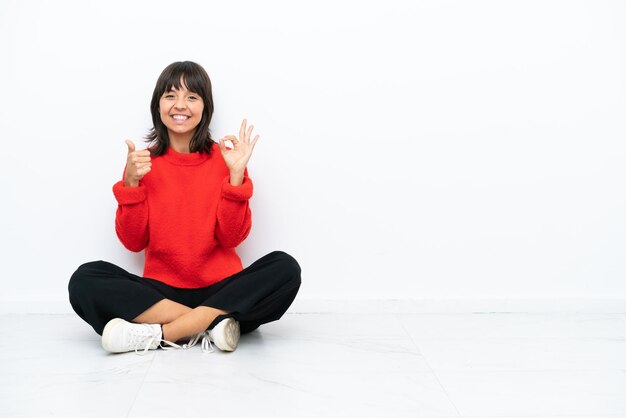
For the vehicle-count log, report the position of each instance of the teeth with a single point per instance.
(180, 117)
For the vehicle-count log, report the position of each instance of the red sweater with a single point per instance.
(187, 217)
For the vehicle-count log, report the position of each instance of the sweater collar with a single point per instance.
(178, 158)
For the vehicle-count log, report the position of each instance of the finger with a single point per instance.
(139, 159)
(256, 138)
(143, 171)
(222, 145)
(143, 153)
(131, 145)
(242, 130)
(249, 132)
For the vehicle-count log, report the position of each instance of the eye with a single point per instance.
(169, 96)
(194, 98)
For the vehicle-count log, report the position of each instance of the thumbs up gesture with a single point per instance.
(137, 165)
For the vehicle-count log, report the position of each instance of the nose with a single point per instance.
(180, 103)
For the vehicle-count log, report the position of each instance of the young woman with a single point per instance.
(185, 200)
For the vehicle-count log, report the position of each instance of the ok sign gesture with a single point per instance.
(236, 159)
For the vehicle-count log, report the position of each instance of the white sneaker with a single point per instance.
(120, 336)
(225, 334)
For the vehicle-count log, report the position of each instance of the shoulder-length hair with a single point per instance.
(196, 80)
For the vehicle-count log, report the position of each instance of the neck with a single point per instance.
(180, 143)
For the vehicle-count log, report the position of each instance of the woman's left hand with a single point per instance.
(236, 159)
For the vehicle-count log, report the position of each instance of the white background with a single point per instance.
(409, 149)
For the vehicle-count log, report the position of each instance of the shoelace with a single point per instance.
(207, 347)
(139, 337)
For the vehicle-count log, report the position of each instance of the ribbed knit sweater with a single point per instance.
(188, 218)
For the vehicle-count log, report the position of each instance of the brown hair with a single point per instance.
(196, 80)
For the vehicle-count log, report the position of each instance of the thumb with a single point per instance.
(131, 146)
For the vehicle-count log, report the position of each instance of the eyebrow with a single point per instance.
(172, 90)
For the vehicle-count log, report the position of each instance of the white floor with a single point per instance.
(328, 365)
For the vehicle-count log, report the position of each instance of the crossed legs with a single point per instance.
(179, 321)
(261, 293)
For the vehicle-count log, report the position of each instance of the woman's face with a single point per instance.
(181, 111)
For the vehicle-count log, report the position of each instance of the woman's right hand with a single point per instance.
(137, 165)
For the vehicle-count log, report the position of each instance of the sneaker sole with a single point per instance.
(105, 334)
(231, 336)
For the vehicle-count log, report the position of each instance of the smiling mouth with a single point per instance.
(180, 117)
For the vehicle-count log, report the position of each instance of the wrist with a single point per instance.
(130, 183)
(236, 178)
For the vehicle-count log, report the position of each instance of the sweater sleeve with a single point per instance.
(234, 219)
(131, 218)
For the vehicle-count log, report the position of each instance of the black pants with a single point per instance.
(100, 291)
